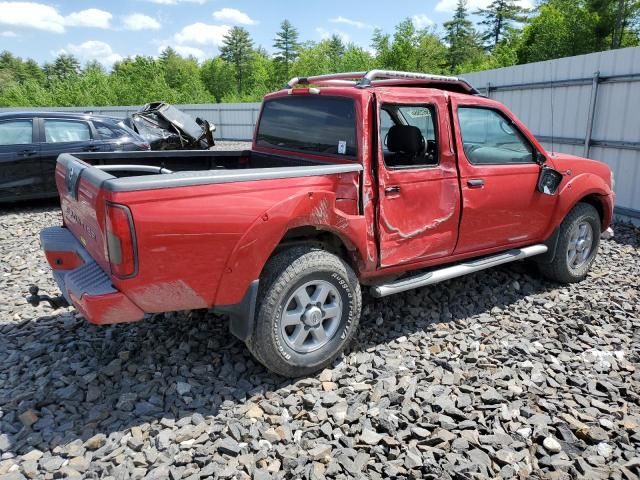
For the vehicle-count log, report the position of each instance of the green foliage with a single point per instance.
(237, 49)
(287, 49)
(218, 77)
(465, 50)
(498, 18)
(242, 73)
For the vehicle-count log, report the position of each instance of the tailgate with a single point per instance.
(83, 204)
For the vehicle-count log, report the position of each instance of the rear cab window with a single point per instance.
(309, 123)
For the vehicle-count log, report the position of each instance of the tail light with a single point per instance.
(121, 241)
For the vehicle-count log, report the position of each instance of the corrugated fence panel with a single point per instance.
(553, 98)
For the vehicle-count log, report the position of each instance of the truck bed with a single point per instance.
(194, 167)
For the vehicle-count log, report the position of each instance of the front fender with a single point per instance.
(316, 209)
(576, 189)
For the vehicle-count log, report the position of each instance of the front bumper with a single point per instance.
(83, 282)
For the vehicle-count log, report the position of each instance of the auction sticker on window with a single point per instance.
(342, 147)
(419, 112)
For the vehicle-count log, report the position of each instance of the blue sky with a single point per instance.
(110, 30)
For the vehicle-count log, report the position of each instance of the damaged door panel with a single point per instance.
(419, 195)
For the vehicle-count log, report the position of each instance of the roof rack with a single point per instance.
(381, 78)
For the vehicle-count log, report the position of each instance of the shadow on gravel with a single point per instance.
(28, 206)
(74, 380)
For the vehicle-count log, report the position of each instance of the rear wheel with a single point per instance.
(308, 310)
(578, 242)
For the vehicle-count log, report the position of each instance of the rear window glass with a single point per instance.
(112, 132)
(325, 125)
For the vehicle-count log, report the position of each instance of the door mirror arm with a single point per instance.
(539, 158)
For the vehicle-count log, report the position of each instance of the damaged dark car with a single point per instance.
(166, 127)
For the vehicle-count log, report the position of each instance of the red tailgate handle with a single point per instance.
(475, 183)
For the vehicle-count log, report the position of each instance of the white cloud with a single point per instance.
(8, 34)
(348, 21)
(202, 34)
(421, 21)
(31, 15)
(176, 2)
(325, 34)
(92, 17)
(186, 51)
(93, 50)
(233, 16)
(138, 21)
(450, 5)
(45, 17)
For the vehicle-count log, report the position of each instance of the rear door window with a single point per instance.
(59, 131)
(16, 132)
(111, 132)
(309, 123)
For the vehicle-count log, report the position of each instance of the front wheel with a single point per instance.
(578, 242)
(308, 310)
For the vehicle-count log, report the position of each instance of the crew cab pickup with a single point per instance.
(385, 180)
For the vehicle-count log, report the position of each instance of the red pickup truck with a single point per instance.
(389, 180)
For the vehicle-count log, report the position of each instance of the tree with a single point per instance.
(562, 28)
(464, 44)
(218, 77)
(237, 49)
(64, 67)
(498, 17)
(381, 44)
(614, 18)
(336, 49)
(287, 48)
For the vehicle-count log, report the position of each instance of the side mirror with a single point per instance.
(549, 180)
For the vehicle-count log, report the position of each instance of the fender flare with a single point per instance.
(237, 290)
(577, 189)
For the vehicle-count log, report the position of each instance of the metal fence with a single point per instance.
(588, 105)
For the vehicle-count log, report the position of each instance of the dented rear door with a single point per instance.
(419, 206)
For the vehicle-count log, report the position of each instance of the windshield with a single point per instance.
(317, 124)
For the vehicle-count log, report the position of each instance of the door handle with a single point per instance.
(27, 152)
(392, 190)
(475, 183)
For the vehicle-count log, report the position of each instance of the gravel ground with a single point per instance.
(496, 375)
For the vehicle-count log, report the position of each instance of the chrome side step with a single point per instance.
(436, 276)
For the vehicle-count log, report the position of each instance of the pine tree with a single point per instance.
(336, 49)
(237, 49)
(461, 36)
(287, 47)
(498, 17)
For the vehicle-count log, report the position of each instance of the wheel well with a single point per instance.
(323, 239)
(596, 203)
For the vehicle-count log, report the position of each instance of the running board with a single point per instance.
(436, 276)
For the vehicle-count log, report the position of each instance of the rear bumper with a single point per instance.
(83, 283)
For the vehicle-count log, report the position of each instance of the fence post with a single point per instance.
(592, 110)
(488, 90)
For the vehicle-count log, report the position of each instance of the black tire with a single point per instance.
(286, 274)
(560, 269)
